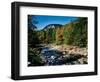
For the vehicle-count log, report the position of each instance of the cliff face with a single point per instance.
(52, 26)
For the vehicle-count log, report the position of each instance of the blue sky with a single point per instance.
(44, 20)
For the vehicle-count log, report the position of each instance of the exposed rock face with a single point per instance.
(52, 26)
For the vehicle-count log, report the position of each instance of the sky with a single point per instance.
(44, 20)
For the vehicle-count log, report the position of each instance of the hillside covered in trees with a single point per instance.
(57, 44)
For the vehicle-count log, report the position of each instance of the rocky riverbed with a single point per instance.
(63, 55)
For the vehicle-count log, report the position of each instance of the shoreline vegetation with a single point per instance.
(57, 44)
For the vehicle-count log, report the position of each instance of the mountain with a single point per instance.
(52, 26)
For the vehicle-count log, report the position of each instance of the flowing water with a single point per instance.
(50, 56)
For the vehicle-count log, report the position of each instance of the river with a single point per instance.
(52, 56)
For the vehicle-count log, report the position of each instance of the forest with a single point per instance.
(57, 44)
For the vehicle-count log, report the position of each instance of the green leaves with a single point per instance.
(34, 57)
(73, 33)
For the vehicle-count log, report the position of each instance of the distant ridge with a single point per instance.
(52, 26)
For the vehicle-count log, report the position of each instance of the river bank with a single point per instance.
(68, 49)
(64, 54)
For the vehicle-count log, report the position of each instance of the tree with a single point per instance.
(32, 21)
(32, 33)
(75, 33)
(59, 35)
(81, 36)
(53, 35)
(68, 33)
